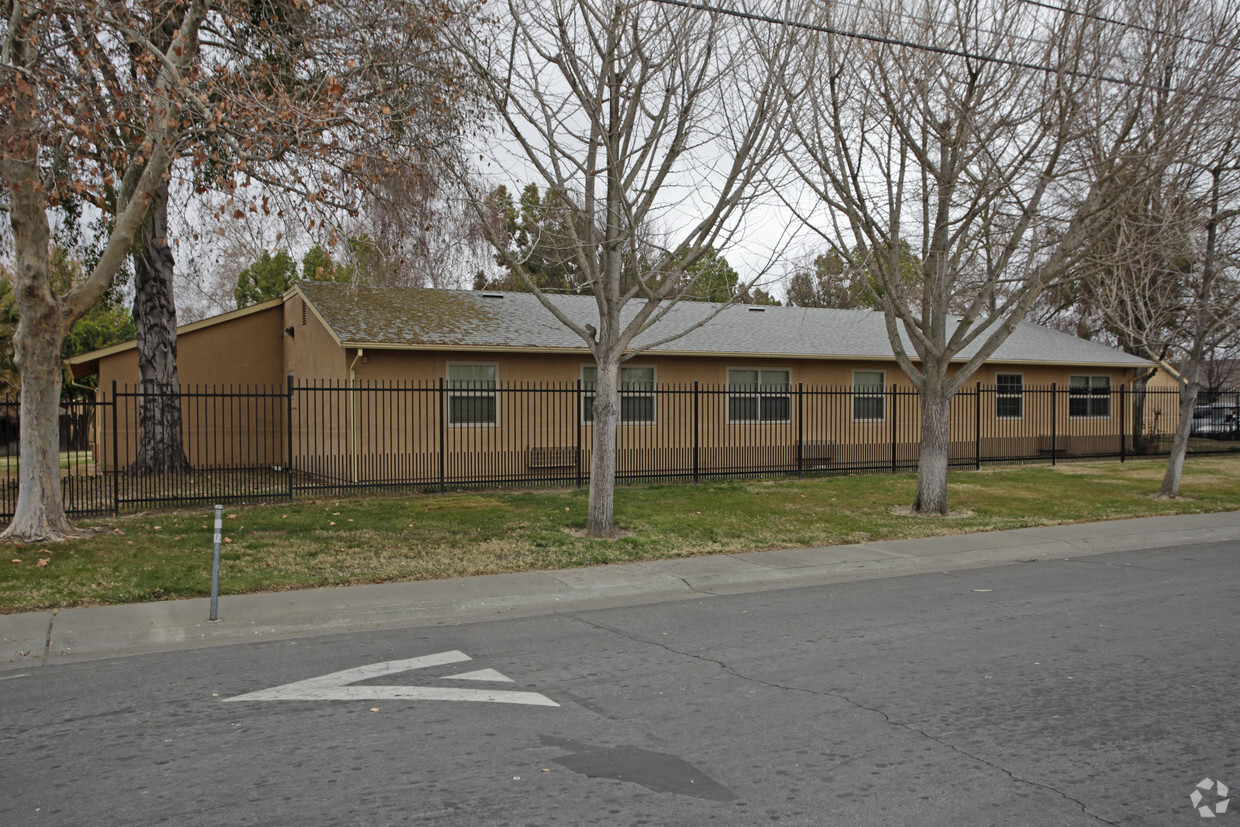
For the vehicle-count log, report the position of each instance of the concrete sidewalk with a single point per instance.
(43, 638)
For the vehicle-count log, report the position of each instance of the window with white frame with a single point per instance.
(759, 395)
(636, 393)
(1009, 396)
(869, 403)
(471, 394)
(1089, 397)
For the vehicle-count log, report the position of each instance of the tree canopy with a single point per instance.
(535, 239)
(847, 281)
(265, 279)
(274, 273)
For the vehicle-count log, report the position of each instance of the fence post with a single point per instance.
(443, 435)
(894, 414)
(1055, 421)
(580, 425)
(977, 424)
(288, 435)
(696, 439)
(800, 430)
(1123, 426)
(116, 455)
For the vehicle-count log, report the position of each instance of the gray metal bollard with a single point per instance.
(215, 565)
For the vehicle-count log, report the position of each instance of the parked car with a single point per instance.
(1220, 420)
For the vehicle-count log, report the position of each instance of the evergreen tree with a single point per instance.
(538, 236)
(265, 279)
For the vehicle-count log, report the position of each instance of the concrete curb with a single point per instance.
(43, 638)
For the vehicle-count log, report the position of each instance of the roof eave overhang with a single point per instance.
(87, 364)
(723, 354)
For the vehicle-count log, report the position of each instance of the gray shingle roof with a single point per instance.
(426, 318)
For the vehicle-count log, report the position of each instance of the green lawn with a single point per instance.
(416, 537)
(82, 461)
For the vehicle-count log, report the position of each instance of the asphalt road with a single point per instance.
(1097, 690)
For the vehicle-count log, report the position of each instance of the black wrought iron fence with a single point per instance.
(256, 444)
(82, 481)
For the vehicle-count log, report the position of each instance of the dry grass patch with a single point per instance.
(952, 513)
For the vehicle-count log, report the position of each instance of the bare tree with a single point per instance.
(986, 136)
(234, 105)
(1164, 282)
(650, 124)
(57, 87)
(160, 448)
(1172, 280)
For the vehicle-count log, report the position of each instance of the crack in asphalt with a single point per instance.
(852, 702)
(689, 586)
(47, 645)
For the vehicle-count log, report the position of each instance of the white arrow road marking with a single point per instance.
(336, 686)
(481, 675)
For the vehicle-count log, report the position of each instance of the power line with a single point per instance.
(925, 47)
(905, 14)
(1031, 39)
(933, 22)
(1127, 25)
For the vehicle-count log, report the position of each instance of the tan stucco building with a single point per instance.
(409, 381)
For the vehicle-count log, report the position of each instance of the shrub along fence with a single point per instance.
(263, 444)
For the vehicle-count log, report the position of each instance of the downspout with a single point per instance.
(353, 414)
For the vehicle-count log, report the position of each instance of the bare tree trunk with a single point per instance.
(1202, 332)
(601, 521)
(40, 513)
(936, 403)
(160, 445)
(1170, 487)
